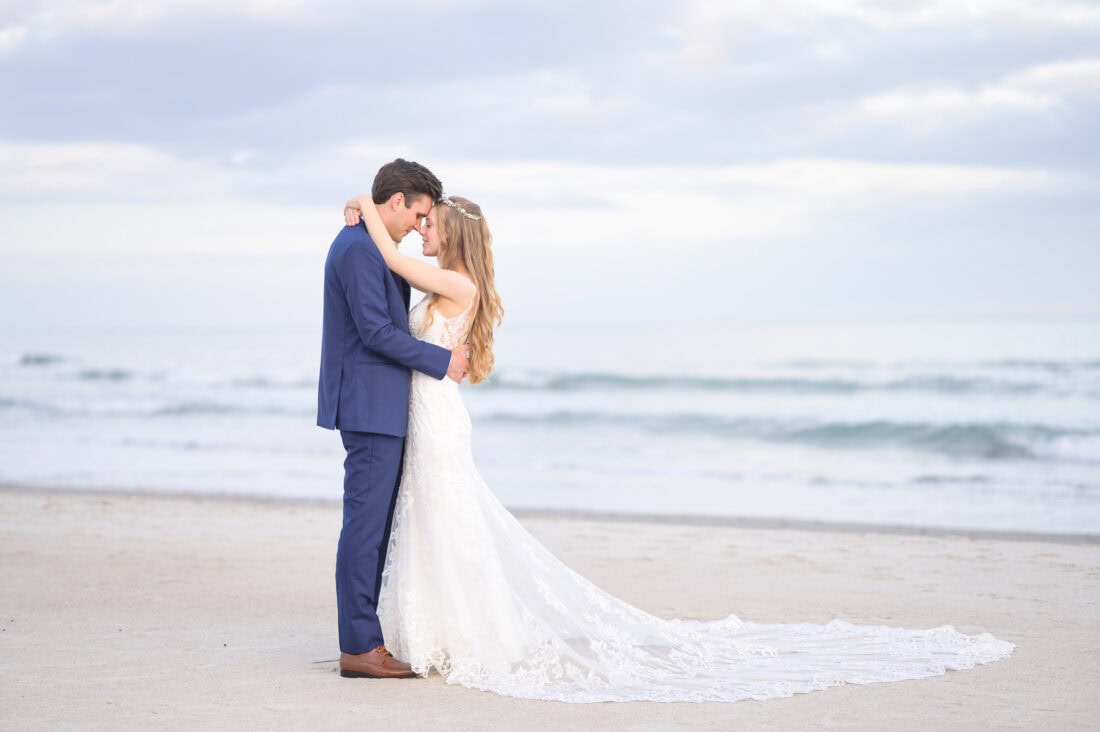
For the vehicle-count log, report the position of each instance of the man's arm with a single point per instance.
(362, 276)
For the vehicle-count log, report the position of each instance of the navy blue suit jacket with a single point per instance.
(366, 349)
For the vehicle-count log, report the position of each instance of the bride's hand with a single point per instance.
(352, 212)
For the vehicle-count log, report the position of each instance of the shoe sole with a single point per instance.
(364, 675)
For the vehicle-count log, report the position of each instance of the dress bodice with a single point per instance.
(441, 331)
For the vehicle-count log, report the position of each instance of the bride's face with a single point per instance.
(429, 232)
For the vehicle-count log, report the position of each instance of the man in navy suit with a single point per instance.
(363, 391)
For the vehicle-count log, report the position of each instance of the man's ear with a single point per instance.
(397, 200)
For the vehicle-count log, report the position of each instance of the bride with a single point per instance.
(468, 593)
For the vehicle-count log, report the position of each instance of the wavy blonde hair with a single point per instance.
(468, 242)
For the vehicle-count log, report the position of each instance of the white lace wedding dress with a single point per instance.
(469, 593)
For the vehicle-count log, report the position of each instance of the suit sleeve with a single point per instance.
(365, 288)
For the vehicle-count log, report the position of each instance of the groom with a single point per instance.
(366, 357)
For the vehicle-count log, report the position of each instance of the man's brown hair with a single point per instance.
(403, 176)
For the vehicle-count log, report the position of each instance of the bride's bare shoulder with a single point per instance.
(459, 295)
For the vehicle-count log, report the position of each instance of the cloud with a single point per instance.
(12, 37)
(1077, 79)
(543, 203)
(53, 20)
(102, 171)
(1045, 91)
(936, 111)
(699, 82)
(710, 32)
(118, 170)
(555, 203)
(740, 127)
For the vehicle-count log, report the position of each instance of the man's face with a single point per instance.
(407, 218)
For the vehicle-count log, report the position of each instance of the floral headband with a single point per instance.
(447, 200)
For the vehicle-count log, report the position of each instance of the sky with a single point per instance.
(177, 163)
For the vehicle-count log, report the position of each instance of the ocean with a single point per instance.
(963, 425)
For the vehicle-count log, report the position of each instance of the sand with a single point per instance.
(130, 611)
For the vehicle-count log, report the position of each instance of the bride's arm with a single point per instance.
(420, 274)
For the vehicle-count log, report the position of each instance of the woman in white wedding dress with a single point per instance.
(469, 593)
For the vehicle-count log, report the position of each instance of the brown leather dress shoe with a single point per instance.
(375, 664)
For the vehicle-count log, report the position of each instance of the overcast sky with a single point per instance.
(184, 161)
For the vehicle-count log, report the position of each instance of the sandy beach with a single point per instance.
(129, 611)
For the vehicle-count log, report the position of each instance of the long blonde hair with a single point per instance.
(467, 241)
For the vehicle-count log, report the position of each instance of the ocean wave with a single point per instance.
(984, 440)
(29, 405)
(185, 409)
(611, 382)
(105, 375)
(264, 382)
(1057, 367)
(800, 378)
(213, 409)
(954, 479)
(157, 411)
(948, 384)
(40, 359)
(925, 383)
(989, 441)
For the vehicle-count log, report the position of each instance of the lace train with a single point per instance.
(468, 592)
